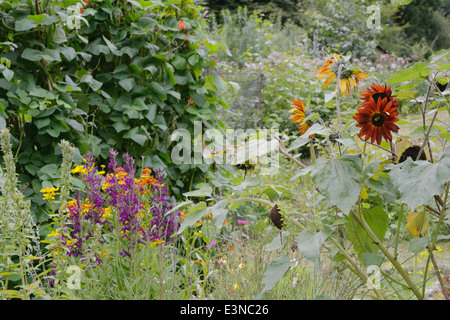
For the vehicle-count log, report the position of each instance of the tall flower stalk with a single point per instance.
(19, 236)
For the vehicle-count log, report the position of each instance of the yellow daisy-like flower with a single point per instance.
(49, 193)
(347, 79)
(299, 115)
(79, 169)
(53, 234)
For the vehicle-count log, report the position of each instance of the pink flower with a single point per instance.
(211, 244)
(241, 222)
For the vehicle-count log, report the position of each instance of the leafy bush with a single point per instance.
(102, 74)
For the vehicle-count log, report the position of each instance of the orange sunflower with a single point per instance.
(300, 115)
(347, 79)
(377, 92)
(376, 120)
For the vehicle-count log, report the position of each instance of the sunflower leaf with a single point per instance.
(378, 220)
(419, 181)
(417, 71)
(339, 180)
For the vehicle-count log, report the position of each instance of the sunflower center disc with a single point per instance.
(377, 119)
(379, 95)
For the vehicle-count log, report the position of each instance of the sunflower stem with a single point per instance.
(373, 144)
(432, 246)
(397, 233)
(338, 108)
(360, 219)
(427, 135)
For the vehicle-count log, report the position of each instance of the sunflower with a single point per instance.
(347, 79)
(300, 115)
(376, 120)
(408, 148)
(377, 92)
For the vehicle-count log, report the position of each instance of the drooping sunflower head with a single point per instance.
(377, 120)
(377, 92)
(348, 77)
(299, 115)
(276, 216)
(407, 148)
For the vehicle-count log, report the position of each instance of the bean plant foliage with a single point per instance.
(103, 74)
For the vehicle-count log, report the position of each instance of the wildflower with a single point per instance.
(201, 262)
(49, 193)
(53, 234)
(299, 115)
(242, 222)
(376, 120)
(241, 266)
(156, 242)
(181, 25)
(235, 286)
(211, 244)
(79, 169)
(106, 212)
(347, 79)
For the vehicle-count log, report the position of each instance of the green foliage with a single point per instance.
(116, 75)
(339, 180)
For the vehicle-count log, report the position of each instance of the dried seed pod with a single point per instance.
(276, 217)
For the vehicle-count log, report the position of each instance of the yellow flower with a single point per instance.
(157, 241)
(347, 79)
(106, 212)
(299, 115)
(235, 286)
(53, 234)
(70, 242)
(79, 169)
(49, 193)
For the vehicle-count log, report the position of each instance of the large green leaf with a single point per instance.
(309, 243)
(196, 213)
(274, 273)
(377, 220)
(419, 181)
(338, 180)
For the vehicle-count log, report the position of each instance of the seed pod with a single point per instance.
(276, 217)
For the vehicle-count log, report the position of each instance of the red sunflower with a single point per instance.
(377, 92)
(376, 120)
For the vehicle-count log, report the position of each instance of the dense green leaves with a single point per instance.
(102, 81)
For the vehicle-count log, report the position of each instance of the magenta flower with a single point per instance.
(241, 222)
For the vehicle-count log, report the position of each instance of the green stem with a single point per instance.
(392, 259)
(338, 108)
(400, 216)
(431, 248)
